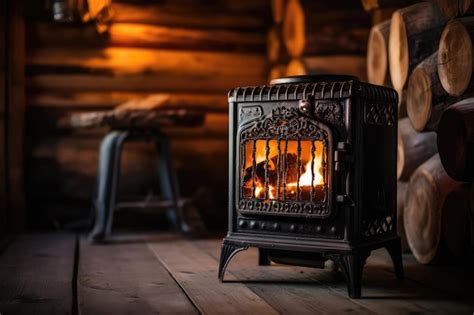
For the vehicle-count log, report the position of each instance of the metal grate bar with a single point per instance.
(242, 162)
(254, 166)
(323, 167)
(284, 168)
(278, 169)
(313, 150)
(298, 170)
(267, 152)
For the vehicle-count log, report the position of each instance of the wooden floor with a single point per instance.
(62, 274)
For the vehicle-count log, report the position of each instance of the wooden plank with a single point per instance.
(132, 61)
(288, 289)
(37, 275)
(198, 16)
(139, 69)
(126, 279)
(153, 83)
(196, 272)
(456, 279)
(146, 36)
(381, 292)
(108, 100)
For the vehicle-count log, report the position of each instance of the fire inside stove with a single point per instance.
(284, 170)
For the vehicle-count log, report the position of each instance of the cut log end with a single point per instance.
(422, 219)
(455, 58)
(273, 45)
(296, 67)
(400, 155)
(419, 99)
(278, 7)
(450, 8)
(465, 6)
(276, 72)
(456, 140)
(399, 55)
(376, 57)
(294, 35)
(456, 222)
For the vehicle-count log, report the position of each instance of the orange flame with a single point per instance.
(308, 178)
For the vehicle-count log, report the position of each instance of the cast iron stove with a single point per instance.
(313, 173)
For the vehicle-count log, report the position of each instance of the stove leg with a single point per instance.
(394, 248)
(263, 259)
(227, 252)
(352, 266)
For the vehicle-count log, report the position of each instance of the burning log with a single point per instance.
(290, 170)
(456, 140)
(455, 56)
(283, 175)
(428, 187)
(413, 148)
(414, 35)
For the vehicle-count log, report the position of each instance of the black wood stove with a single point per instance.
(313, 173)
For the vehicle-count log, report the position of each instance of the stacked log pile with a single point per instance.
(425, 52)
(192, 51)
(308, 38)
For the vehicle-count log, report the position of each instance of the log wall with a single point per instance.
(195, 51)
(12, 105)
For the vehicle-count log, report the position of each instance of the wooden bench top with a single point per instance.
(153, 112)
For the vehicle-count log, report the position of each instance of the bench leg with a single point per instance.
(169, 182)
(107, 180)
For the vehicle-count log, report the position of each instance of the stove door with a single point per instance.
(284, 166)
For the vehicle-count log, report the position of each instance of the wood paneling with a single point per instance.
(12, 106)
(16, 113)
(195, 52)
(3, 106)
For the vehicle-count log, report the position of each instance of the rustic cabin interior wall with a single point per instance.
(194, 51)
(12, 104)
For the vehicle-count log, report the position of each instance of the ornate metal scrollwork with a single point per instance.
(329, 110)
(285, 123)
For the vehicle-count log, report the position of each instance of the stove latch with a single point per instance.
(342, 156)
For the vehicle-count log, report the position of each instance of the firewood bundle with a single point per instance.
(307, 39)
(425, 52)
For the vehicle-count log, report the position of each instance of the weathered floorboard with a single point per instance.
(196, 272)
(381, 292)
(288, 289)
(36, 273)
(125, 278)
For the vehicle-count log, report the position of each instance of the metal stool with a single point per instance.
(108, 176)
